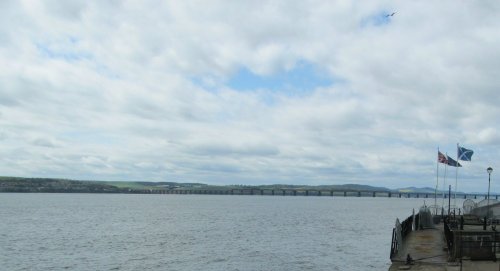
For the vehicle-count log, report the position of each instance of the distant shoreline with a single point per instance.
(55, 185)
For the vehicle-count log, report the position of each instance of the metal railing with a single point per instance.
(476, 245)
(400, 231)
(448, 234)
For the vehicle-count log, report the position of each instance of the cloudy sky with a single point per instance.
(250, 92)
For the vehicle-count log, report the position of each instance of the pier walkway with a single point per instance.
(427, 249)
(470, 248)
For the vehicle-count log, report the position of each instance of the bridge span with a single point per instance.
(307, 192)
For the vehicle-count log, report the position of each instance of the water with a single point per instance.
(196, 232)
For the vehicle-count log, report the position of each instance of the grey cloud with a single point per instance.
(225, 149)
(70, 10)
(44, 142)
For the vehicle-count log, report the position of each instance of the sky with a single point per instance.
(251, 92)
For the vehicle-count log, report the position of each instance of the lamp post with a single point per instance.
(489, 170)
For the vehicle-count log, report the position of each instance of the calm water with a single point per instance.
(196, 232)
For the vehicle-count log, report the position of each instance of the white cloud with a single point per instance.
(104, 90)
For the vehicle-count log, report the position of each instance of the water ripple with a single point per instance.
(193, 232)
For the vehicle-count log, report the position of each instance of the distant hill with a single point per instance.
(53, 185)
(428, 190)
(416, 189)
(360, 187)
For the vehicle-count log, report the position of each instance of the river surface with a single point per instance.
(197, 232)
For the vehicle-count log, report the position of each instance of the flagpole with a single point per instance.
(437, 183)
(444, 182)
(456, 180)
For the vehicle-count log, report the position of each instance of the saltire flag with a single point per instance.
(452, 162)
(442, 158)
(464, 154)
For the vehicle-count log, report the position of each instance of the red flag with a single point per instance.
(442, 158)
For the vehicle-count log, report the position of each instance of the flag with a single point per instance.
(452, 162)
(464, 154)
(442, 158)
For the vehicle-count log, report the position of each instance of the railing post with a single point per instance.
(495, 245)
